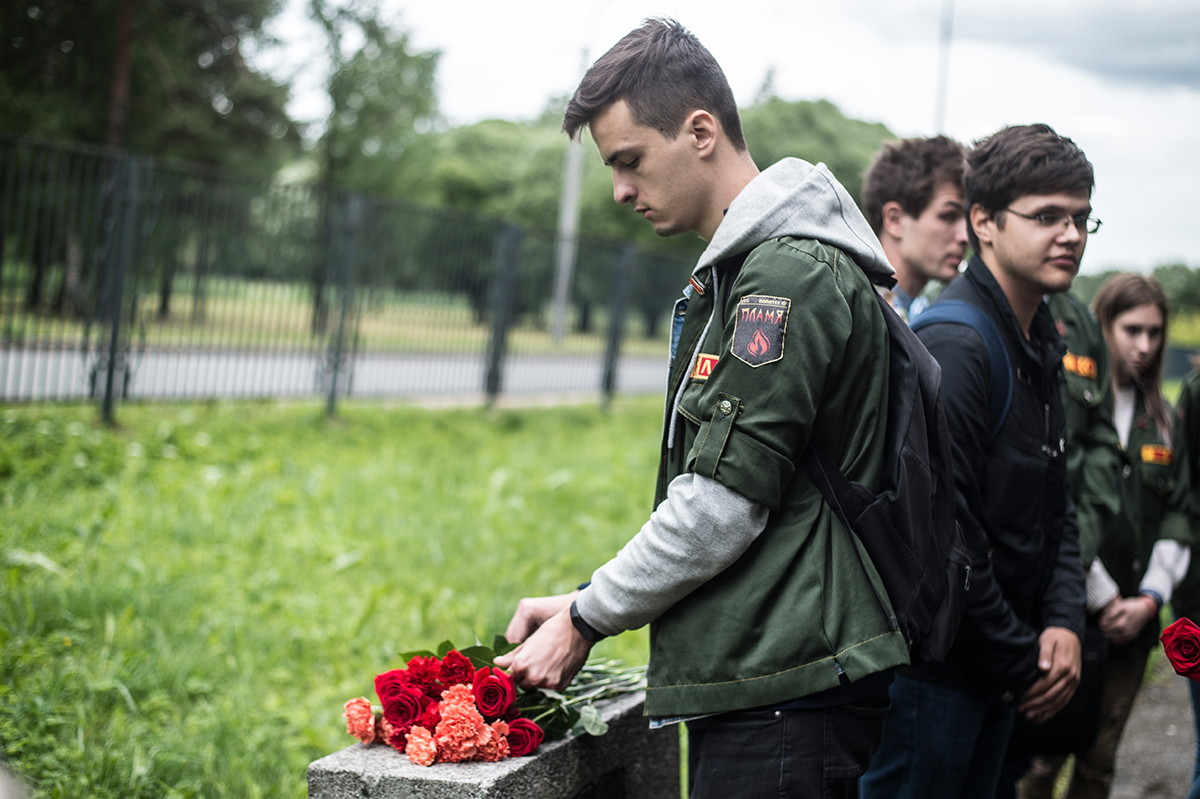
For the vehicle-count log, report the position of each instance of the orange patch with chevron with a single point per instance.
(1155, 453)
(704, 366)
(1080, 365)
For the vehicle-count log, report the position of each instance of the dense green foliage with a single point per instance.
(381, 94)
(817, 132)
(189, 599)
(192, 95)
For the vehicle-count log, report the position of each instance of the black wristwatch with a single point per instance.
(588, 632)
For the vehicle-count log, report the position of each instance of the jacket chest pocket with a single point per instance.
(1023, 470)
(1157, 483)
(1084, 391)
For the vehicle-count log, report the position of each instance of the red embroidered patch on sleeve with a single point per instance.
(704, 366)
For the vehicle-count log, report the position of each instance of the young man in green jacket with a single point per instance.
(766, 634)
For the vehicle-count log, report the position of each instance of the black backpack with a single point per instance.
(908, 529)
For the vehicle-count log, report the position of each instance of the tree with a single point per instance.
(189, 93)
(381, 96)
(817, 132)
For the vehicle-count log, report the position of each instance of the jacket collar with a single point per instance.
(1044, 344)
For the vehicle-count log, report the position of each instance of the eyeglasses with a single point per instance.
(1083, 223)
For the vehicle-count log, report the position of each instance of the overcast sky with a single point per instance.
(1121, 78)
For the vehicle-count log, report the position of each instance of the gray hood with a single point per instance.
(791, 198)
(795, 198)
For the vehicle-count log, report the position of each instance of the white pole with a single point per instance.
(939, 114)
(567, 244)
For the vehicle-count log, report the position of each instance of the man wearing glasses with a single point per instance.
(1028, 194)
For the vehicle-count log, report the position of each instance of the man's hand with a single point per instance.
(1124, 619)
(1060, 662)
(551, 656)
(532, 612)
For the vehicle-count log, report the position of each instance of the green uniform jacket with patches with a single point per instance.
(1154, 504)
(797, 607)
(1093, 457)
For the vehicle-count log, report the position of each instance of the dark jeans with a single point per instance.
(940, 743)
(784, 753)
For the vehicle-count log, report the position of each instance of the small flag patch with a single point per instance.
(1155, 453)
(704, 366)
(1080, 365)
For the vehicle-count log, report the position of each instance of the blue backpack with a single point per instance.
(1000, 380)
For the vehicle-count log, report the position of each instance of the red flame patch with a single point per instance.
(759, 344)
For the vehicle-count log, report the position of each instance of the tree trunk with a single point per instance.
(118, 103)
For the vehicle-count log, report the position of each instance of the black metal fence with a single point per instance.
(122, 277)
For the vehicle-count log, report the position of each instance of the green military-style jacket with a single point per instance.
(1093, 457)
(1154, 495)
(796, 355)
(1186, 599)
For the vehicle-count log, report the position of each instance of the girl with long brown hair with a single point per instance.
(1144, 554)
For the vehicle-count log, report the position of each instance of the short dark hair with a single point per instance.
(908, 172)
(663, 72)
(1021, 160)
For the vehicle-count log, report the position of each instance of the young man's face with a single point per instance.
(932, 244)
(1043, 258)
(654, 174)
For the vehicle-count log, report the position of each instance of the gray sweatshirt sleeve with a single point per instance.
(699, 529)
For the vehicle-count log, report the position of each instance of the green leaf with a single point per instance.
(501, 646)
(480, 656)
(589, 717)
(416, 653)
(444, 647)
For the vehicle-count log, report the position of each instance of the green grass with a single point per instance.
(187, 600)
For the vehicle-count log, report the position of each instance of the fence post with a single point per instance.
(623, 273)
(507, 247)
(125, 204)
(352, 231)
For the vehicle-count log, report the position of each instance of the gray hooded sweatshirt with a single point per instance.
(702, 527)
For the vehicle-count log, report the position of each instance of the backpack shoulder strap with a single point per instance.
(1000, 380)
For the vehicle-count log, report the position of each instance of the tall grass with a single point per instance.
(188, 600)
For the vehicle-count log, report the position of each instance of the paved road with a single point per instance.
(1154, 760)
(49, 374)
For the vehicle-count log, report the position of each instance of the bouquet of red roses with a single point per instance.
(456, 706)
(1181, 642)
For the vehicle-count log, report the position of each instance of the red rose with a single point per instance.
(391, 684)
(524, 737)
(494, 692)
(403, 706)
(1181, 642)
(457, 669)
(426, 674)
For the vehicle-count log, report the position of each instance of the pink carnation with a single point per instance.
(497, 747)
(360, 719)
(384, 731)
(461, 729)
(421, 749)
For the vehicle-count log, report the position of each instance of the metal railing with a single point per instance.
(122, 277)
